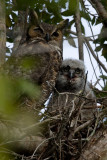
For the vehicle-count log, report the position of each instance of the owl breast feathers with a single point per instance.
(42, 51)
(71, 81)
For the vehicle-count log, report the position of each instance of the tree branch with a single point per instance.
(100, 10)
(2, 32)
(86, 39)
(96, 58)
(79, 32)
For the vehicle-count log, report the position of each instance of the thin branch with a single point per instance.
(79, 32)
(84, 125)
(39, 146)
(93, 132)
(91, 61)
(90, 48)
(100, 69)
(43, 122)
(100, 10)
(96, 58)
(74, 33)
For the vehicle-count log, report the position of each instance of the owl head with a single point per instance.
(49, 33)
(71, 77)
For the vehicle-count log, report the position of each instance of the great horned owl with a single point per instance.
(72, 80)
(38, 58)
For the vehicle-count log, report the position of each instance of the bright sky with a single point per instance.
(71, 52)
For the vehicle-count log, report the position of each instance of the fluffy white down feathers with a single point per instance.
(72, 79)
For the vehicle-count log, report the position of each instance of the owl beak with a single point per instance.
(71, 74)
(47, 37)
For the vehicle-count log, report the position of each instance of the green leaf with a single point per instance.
(9, 40)
(54, 8)
(98, 48)
(28, 88)
(82, 28)
(72, 6)
(103, 76)
(62, 3)
(67, 13)
(71, 22)
(93, 20)
(11, 89)
(8, 21)
(29, 62)
(8, 95)
(71, 41)
(85, 15)
(24, 4)
(104, 52)
(15, 17)
(98, 21)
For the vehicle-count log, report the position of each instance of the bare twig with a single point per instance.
(91, 50)
(84, 125)
(43, 122)
(75, 34)
(96, 58)
(40, 146)
(93, 132)
(100, 10)
(91, 61)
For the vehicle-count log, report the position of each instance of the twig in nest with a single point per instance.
(93, 132)
(84, 125)
(40, 146)
(43, 122)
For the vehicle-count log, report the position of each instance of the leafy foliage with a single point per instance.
(51, 11)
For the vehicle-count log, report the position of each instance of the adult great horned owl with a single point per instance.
(38, 58)
(70, 84)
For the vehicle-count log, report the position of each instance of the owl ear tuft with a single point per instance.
(34, 18)
(63, 24)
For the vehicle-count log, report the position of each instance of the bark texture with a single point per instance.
(2, 32)
(97, 147)
(100, 10)
(79, 32)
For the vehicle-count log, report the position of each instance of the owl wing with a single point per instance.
(38, 62)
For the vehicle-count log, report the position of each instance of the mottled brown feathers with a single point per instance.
(44, 46)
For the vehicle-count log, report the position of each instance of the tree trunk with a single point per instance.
(2, 32)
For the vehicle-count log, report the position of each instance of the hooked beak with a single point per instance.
(71, 74)
(47, 37)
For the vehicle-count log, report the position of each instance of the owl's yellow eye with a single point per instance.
(56, 34)
(38, 29)
(77, 70)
